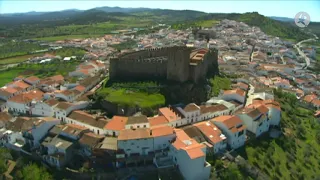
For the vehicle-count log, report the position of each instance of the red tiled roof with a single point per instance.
(129, 134)
(161, 131)
(117, 123)
(158, 120)
(230, 122)
(169, 114)
(235, 91)
(32, 79)
(210, 131)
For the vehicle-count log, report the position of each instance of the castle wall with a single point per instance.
(141, 69)
(171, 63)
(154, 52)
(178, 64)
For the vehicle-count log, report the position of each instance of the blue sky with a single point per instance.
(284, 8)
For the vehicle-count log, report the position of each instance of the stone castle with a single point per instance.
(176, 63)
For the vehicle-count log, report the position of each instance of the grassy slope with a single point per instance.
(18, 59)
(295, 154)
(143, 94)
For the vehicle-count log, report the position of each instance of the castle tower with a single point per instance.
(178, 64)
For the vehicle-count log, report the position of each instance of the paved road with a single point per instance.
(298, 46)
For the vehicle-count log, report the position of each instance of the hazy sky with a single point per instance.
(284, 8)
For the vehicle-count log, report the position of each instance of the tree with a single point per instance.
(34, 172)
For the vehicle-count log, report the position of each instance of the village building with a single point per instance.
(186, 151)
(233, 128)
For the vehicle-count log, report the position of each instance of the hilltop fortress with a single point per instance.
(176, 63)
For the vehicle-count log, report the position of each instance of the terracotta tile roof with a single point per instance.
(241, 85)
(27, 97)
(161, 131)
(195, 153)
(7, 91)
(137, 119)
(64, 105)
(235, 91)
(316, 102)
(309, 98)
(212, 108)
(73, 129)
(210, 131)
(5, 117)
(32, 79)
(51, 102)
(169, 114)
(80, 88)
(87, 67)
(129, 134)
(191, 107)
(158, 120)
(86, 118)
(67, 92)
(272, 104)
(184, 142)
(117, 123)
(84, 71)
(230, 122)
(20, 84)
(57, 78)
(90, 139)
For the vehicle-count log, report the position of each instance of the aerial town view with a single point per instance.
(161, 90)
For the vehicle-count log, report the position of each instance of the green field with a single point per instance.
(8, 75)
(68, 37)
(294, 155)
(18, 59)
(143, 94)
(125, 97)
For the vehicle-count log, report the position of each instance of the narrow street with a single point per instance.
(301, 53)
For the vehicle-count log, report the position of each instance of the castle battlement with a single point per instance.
(172, 63)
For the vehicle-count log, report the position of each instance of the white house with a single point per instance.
(73, 131)
(255, 117)
(210, 111)
(191, 112)
(21, 103)
(235, 95)
(44, 108)
(63, 109)
(274, 114)
(81, 118)
(162, 137)
(39, 130)
(67, 95)
(213, 135)
(135, 142)
(174, 117)
(233, 128)
(7, 92)
(231, 107)
(115, 125)
(135, 122)
(190, 157)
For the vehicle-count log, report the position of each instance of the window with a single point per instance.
(240, 133)
(144, 126)
(138, 126)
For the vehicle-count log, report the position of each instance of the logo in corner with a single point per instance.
(302, 19)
